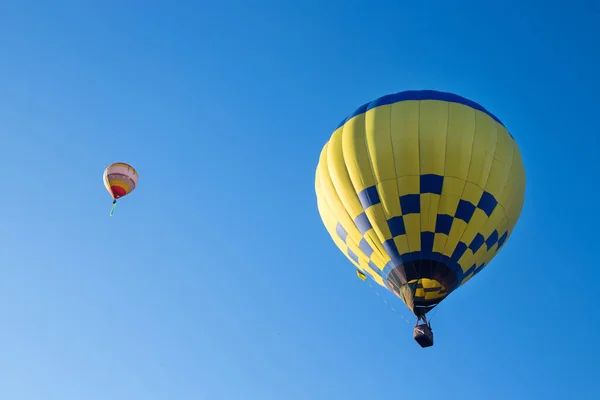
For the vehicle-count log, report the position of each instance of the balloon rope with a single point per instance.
(386, 302)
(112, 210)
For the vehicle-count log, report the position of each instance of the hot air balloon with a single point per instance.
(420, 190)
(120, 179)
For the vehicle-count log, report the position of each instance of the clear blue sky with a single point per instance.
(204, 283)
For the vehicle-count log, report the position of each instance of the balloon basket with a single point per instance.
(423, 335)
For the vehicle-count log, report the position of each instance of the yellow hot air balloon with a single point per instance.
(120, 179)
(420, 190)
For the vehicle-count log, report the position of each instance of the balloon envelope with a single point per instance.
(420, 190)
(120, 179)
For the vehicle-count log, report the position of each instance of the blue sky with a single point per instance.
(215, 279)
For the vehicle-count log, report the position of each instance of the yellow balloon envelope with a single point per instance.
(420, 190)
(120, 179)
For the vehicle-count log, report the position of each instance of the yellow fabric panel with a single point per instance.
(512, 197)
(373, 243)
(479, 256)
(465, 260)
(356, 154)
(402, 244)
(388, 193)
(493, 223)
(412, 222)
(459, 142)
(496, 181)
(339, 176)
(336, 206)
(379, 143)
(503, 226)
(439, 242)
(408, 185)
(472, 193)
(458, 227)
(379, 222)
(429, 210)
(381, 157)
(451, 195)
(474, 226)
(502, 164)
(364, 266)
(348, 198)
(330, 224)
(515, 202)
(505, 147)
(326, 215)
(376, 245)
(491, 253)
(379, 260)
(484, 145)
(344, 248)
(361, 275)
(511, 182)
(433, 125)
(405, 120)
(362, 258)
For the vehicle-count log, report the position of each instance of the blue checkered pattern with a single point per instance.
(411, 204)
(363, 245)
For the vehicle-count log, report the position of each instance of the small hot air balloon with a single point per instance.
(120, 179)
